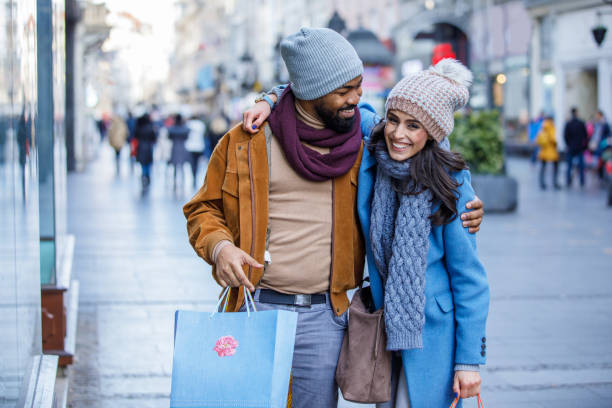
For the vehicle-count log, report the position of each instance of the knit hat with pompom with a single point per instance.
(432, 96)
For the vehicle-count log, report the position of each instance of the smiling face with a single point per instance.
(337, 108)
(404, 135)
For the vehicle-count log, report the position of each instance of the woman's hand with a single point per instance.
(467, 383)
(253, 117)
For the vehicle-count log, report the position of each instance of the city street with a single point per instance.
(549, 264)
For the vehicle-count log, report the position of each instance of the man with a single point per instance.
(576, 140)
(286, 197)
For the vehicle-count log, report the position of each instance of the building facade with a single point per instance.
(569, 68)
(242, 37)
(490, 37)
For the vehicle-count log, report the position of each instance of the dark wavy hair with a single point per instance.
(431, 168)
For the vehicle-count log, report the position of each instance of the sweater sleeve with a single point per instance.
(469, 283)
(278, 91)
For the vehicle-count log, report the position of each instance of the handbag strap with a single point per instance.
(478, 400)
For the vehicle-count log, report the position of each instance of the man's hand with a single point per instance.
(229, 267)
(467, 383)
(253, 117)
(473, 217)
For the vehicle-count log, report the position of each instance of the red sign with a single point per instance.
(441, 51)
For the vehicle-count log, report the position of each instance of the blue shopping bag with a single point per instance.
(232, 359)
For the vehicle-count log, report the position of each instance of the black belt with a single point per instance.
(272, 296)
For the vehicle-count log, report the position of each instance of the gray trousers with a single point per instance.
(317, 346)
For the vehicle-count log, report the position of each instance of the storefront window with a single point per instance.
(20, 325)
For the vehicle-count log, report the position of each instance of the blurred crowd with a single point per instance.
(172, 139)
(588, 148)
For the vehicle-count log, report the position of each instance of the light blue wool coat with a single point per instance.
(456, 292)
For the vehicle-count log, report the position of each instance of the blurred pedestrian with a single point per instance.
(548, 153)
(101, 125)
(146, 136)
(534, 129)
(178, 134)
(118, 133)
(195, 144)
(601, 133)
(219, 125)
(576, 139)
(130, 121)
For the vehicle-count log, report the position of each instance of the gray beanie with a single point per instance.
(319, 60)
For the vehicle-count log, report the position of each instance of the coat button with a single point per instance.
(483, 346)
(484, 339)
(239, 147)
(483, 353)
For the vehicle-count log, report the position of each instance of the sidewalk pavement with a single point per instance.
(549, 266)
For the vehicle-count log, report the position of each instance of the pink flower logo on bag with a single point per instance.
(226, 346)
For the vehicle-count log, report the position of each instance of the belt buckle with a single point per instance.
(303, 300)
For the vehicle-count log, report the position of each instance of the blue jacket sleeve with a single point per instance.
(469, 283)
(369, 119)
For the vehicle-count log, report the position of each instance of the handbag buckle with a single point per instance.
(302, 300)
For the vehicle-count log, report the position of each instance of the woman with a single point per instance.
(422, 262)
(117, 136)
(146, 135)
(178, 134)
(547, 143)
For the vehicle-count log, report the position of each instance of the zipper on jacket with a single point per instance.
(331, 272)
(253, 217)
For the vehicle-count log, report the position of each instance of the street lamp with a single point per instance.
(599, 31)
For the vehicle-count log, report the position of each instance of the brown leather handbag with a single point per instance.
(364, 366)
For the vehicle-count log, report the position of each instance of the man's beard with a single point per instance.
(333, 121)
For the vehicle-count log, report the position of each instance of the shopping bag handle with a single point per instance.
(225, 295)
(479, 400)
(249, 297)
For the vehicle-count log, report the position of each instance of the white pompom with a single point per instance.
(454, 70)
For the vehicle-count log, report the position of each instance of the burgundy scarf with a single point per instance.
(309, 163)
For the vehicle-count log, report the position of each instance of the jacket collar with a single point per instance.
(368, 160)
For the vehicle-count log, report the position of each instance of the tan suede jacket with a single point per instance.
(233, 204)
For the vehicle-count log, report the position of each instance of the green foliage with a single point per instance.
(477, 137)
